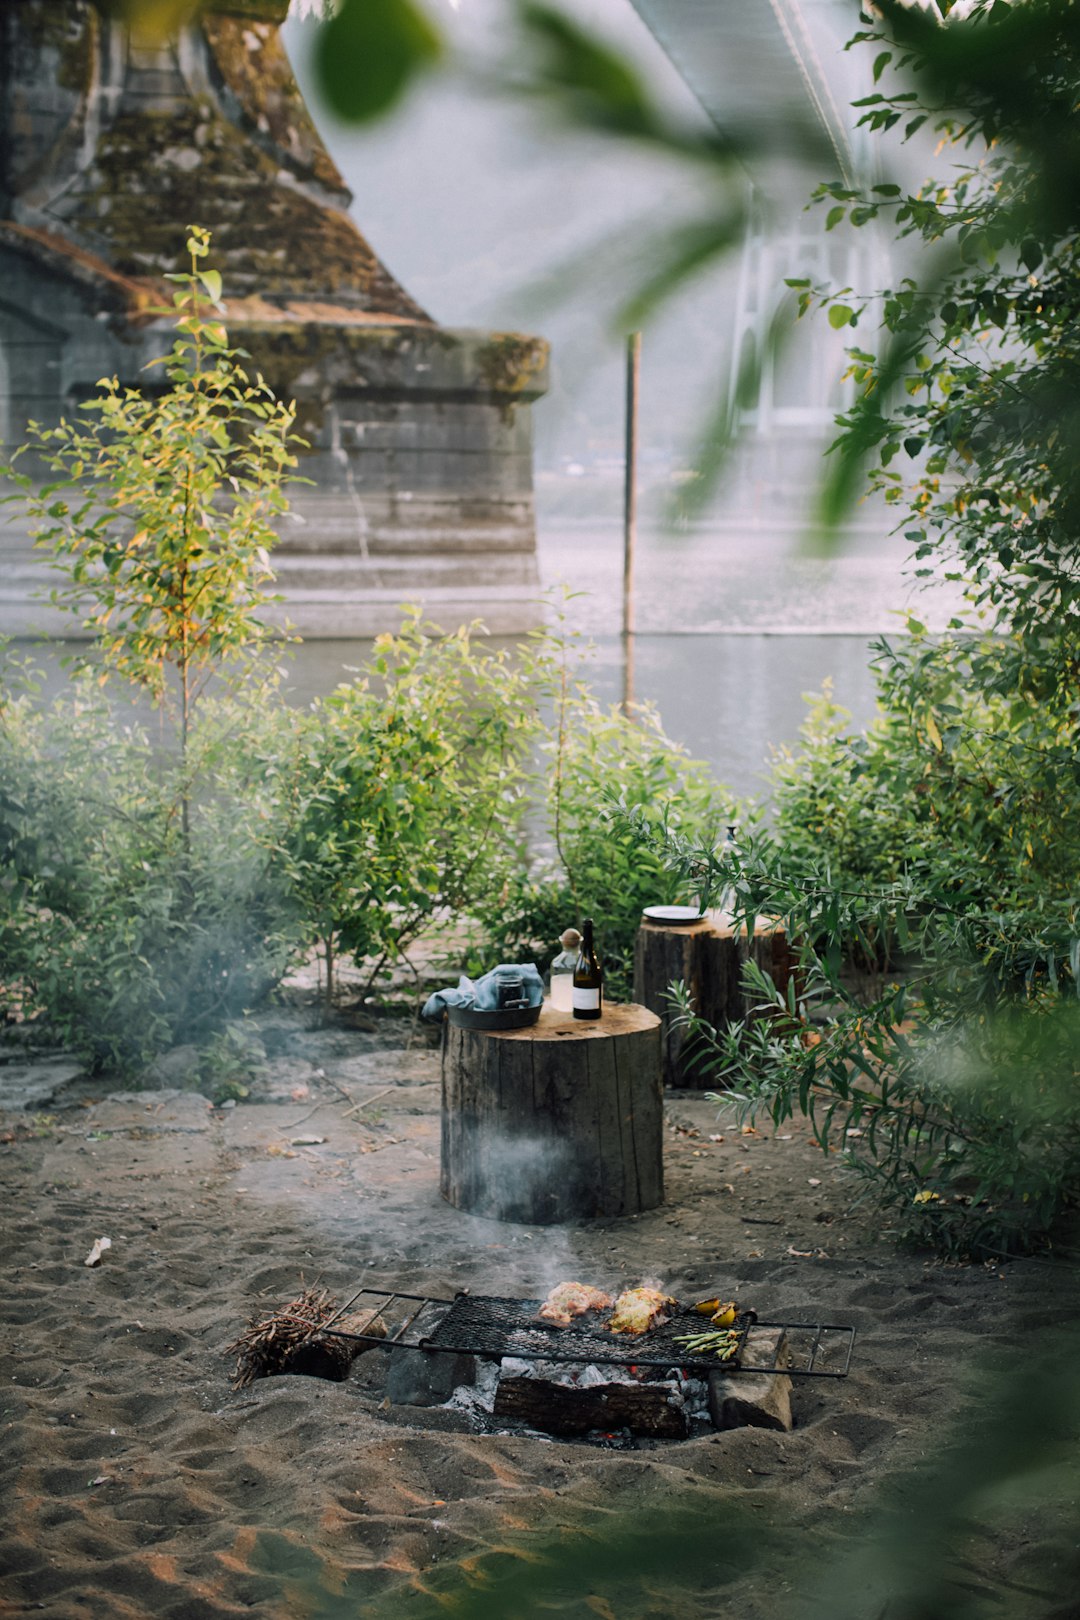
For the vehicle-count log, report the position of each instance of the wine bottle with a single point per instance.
(588, 988)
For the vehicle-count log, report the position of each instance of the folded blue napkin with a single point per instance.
(482, 994)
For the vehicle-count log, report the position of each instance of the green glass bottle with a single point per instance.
(588, 989)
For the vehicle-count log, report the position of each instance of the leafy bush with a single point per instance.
(971, 793)
(123, 937)
(398, 798)
(352, 825)
(582, 866)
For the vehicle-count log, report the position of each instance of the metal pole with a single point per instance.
(633, 386)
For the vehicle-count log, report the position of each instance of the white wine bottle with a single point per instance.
(588, 988)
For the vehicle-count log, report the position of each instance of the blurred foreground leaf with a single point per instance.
(369, 53)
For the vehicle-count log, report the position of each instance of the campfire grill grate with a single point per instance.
(481, 1325)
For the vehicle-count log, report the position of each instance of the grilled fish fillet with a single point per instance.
(639, 1309)
(572, 1299)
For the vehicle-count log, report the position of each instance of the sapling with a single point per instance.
(159, 517)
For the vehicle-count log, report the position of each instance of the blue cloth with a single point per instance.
(482, 994)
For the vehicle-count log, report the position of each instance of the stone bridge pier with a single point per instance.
(420, 437)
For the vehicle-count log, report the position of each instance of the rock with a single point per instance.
(278, 1077)
(427, 1377)
(35, 1084)
(177, 1068)
(745, 1399)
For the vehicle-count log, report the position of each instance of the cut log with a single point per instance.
(708, 957)
(326, 1356)
(561, 1121)
(651, 1408)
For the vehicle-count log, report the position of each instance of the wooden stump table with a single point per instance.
(708, 957)
(561, 1121)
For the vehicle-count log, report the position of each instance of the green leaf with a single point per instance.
(211, 281)
(582, 65)
(369, 53)
(840, 315)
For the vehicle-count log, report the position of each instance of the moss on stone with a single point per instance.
(510, 363)
(154, 171)
(70, 31)
(252, 62)
(311, 361)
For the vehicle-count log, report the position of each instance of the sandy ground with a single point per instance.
(137, 1482)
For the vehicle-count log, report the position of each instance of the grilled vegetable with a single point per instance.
(721, 1312)
(722, 1344)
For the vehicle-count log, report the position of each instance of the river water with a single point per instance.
(732, 630)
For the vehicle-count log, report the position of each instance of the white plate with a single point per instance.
(673, 916)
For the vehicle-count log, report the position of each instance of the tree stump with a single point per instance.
(708, 957)
(561, 1121)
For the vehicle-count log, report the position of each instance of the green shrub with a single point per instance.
(122, 937)
(581, 865)
(398, 799)
(973, 794)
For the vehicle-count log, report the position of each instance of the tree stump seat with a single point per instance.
(560, 1121)
(708, 957)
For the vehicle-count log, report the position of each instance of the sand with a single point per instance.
(138, 1482)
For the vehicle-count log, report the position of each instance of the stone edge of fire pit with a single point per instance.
(749, 1399)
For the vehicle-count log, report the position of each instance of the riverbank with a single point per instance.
(138, 1482)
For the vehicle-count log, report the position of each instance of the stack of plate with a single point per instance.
(672, 916)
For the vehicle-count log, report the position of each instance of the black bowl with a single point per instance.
(503, 1018)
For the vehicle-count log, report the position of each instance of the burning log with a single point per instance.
(558, 1408)
(288, 1341)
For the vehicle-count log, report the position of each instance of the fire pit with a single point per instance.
(583, 1378)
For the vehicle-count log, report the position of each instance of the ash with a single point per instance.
(479, 1396)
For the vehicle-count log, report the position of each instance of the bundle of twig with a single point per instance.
(269, 1344)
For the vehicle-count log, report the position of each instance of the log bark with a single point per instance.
(655, 1409)
(708, 957)
(330, 1357)
(558, 1122)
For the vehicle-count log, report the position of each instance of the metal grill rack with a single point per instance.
(478, 1324)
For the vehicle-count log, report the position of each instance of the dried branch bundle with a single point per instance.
(269, 1343)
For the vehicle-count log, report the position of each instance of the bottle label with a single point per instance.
(586, 1000)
